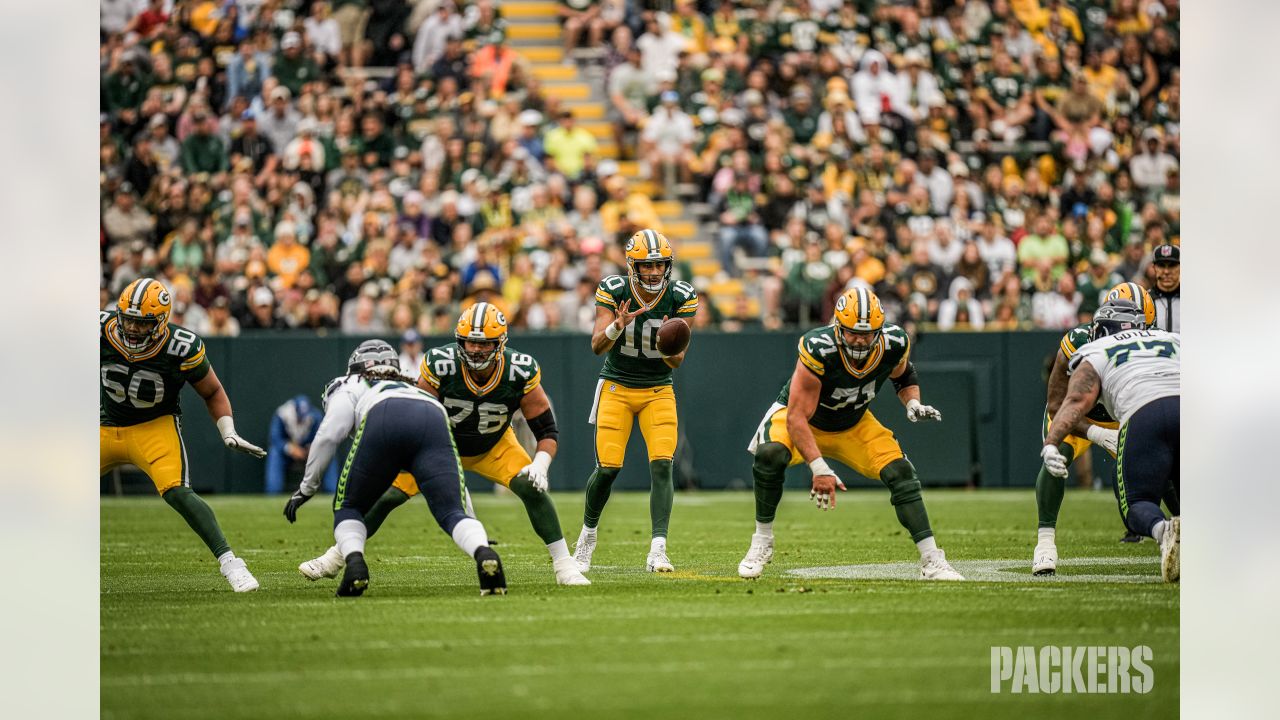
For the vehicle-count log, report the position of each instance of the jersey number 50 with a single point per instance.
(117, 391)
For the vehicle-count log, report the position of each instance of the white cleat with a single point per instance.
(239, 576)
(758, 555)
(326, 566)
(583, 549)
(658, 562)
(567, 572)
(1171, 551)
(934, 566)
(1045, 559)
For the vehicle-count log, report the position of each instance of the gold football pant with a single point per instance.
(615, 412)
(867, 447)
(155, 447)
(501, 464)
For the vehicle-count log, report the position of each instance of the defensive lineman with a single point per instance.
(397, 426)
(483, 383)
(822, 410)
(1137, 374)
(1096, 427)
(144, 361)
(635, 384)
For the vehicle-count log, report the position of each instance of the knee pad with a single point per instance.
(771, 457)
(607, 474)
(522, 488)
(175, 494)
(900, 477)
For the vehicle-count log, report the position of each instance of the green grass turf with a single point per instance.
(701, 643)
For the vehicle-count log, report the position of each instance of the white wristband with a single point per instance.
(820, 467)
(226, 426)
(542, 459)
(613, 332)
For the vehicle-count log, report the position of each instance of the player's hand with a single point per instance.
(227, 428)
(917, 412)
(1108, 439)
(623, 318)
(823, 492)
(1054, 461)
(239, 444)
(298, 499)
(536, 471)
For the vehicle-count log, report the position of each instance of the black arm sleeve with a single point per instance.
(906, 379)
(544, 426)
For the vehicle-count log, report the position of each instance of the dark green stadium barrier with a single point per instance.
(989, 386)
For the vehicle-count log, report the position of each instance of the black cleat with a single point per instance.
(356, 577)
(489, 568)
(1131, 537)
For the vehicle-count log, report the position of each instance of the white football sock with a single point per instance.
(658, 545)
(350, 536)
(1047, 535)
(225, 558)
(589, 532)
(559, 550)
(1157, 530)
(470, 536)
(927, 546)
(765, 529)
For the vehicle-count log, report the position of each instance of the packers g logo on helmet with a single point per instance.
(142, 314)
(649, 246)
(1138, 295)
(481, 323)
(858, 310)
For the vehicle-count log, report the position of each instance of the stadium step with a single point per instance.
(668, 208)
(548, 71)
(706, 268)
(728, 305)
(540, 10)
(726, 288)
(541, 31)
(573, 90)
(628, 168)
(599, 129)
(691, 250)
(541, 53)
(682, 229)
(586, 109)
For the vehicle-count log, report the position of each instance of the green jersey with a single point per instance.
(479, 413)
(634, 360)
(847, 390)
(1075, 339)
(139, 387)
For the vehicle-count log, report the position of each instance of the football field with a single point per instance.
(832, 629)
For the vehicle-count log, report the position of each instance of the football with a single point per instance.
(673, 336)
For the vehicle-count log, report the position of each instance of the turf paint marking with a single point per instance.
(996, 570)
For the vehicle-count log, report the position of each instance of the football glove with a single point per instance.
(1108, 440)
(297, 500)
(537, 471)
(1054, 461)
(917, 412)
(227, 427)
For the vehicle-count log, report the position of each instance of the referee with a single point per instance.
(1167, 260)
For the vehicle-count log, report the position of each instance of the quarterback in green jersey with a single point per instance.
(822, 411)
(482, 383)
(143, 362)
(1097, 428)
(635, 384)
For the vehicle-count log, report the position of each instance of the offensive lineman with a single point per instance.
(1136, 374)
(635, 384)
(482, 383)
(397, 427)
(144, 361)
(822, 410)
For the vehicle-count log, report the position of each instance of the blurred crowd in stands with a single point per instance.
(368, 166)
